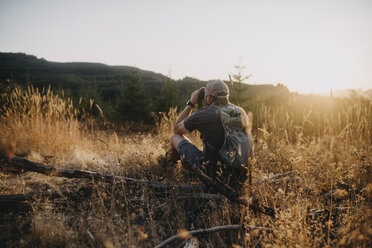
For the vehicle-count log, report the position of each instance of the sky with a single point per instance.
(309, 46)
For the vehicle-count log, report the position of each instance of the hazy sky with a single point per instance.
(310, 46)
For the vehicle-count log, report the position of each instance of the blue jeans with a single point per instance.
(190, 153)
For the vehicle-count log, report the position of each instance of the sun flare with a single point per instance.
(320, 71)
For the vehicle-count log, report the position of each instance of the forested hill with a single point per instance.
(24, 69)
(124, 93)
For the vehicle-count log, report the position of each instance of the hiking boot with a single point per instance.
(173, 155)
(169, 160)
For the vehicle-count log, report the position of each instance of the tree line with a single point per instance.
(125, 94)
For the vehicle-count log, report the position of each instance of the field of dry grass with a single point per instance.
(325, 200)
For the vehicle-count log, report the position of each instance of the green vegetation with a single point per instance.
(115, 87)
(134, 103)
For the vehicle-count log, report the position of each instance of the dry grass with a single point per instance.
(327, 144)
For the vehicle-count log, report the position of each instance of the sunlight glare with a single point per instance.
(321, 72)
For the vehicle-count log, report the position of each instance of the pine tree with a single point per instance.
(236, 81)
(168, 97)
(134, 103)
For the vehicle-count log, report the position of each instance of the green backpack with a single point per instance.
(238, 144)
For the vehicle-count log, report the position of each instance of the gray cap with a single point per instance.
(216, 88)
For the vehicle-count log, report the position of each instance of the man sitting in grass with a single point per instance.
(208, 121)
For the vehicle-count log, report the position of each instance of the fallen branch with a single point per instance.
(229, 192)
(210, 230)
(201, 196)
(82, 193)
(14, 206)
(26, 165)
(22, 202)
(322, 212)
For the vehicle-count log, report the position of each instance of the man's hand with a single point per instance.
(179, 127)
(195, 96)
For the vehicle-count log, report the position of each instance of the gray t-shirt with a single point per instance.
(208, 122)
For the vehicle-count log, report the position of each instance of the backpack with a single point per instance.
(238, 144)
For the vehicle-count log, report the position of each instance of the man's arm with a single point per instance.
(179, 127)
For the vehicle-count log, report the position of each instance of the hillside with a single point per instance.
(26, 69)
(108, 85)
(350, 93)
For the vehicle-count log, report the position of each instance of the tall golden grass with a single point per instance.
(311, 117)
(43, 124)
(38, 121)
(325, 141)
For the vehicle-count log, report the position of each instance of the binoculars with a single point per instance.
(201, 98)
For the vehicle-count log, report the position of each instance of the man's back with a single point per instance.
(208, 122)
